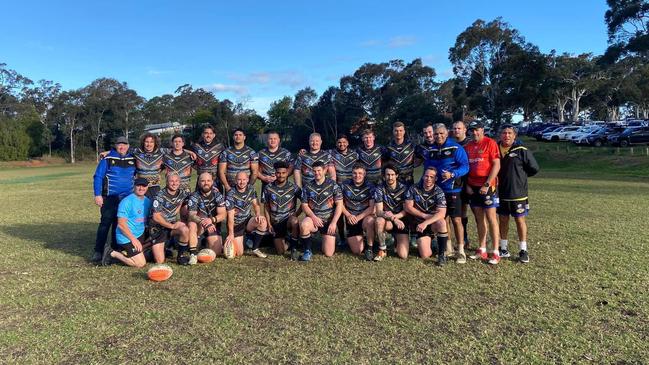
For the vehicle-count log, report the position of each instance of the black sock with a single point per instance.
(182, 248)
(291, 243)
(256, 240)
(306, 243)
(465, 221)
(442, 238)
(193, 250)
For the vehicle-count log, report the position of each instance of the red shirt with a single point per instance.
(481, 156)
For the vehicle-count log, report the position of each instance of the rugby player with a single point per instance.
(423, 149)
(517, 163)
(166, 207)
(272, 153)
(390, 216)
(280, 199)
(207, 152)
(401, 153)
(303, 172)
(180, 162)
(482, 181)
(132, 217)
(343, 160)
(370, 155)
(358, 209)
(459, 135)
(113, 180)
(322, 203)
(425, 203)
(237, 158)
(244, 215)
(450, 159)
(207, 209)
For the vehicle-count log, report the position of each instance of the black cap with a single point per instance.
(141, 181)
(476, 124)
(123, 140)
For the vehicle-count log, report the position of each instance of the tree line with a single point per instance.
(496, 75)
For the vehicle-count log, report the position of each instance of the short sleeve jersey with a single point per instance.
(422, 151)
(429, 201)
(238, 160)
(321, 198)
(343, 163)
(281, 201)
(206, 205)
(149, 164)
(241, 203)
(481, 155)
(357, 198)
(268, 158)
(207, 157)
(167, 205)
(180, 164)
(136, 211)
(392, 199)
(403, 157)
(371, 158)
(305, 163)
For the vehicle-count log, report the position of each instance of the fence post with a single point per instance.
(631, 151)
(647, 151)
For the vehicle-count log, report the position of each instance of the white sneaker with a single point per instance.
(193, 259)
(258, 253)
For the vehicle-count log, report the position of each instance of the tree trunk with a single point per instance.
(561, 109)
(72, 144)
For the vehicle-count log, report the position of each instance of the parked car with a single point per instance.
(559, 134)
(538, 135)
(582, 131)
(614, 138)
(598, 137)
(634, 136)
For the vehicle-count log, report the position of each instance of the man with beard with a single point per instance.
(358, 209)
(343, 160)
(280, 199)
(165, 210)
(244, 215)
(237, 158)
(459, 135)
(370, 155)
(207, 209)
(303, 172)
(207, 152)
(180, 162)
(422, 151)
(389, 197)
(401, 153)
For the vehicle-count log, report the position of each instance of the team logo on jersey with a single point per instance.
(513, 154)
(131, 162)
(520, 210)
(488, 202)
(156, 204)
(447, 153)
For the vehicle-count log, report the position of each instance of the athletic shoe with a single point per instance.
(369, 255)
(495, 259)
(294, 255)
(258, 253)
(193, 259)
(461, 258)
(380, 255)
(523, 257)
(441, 259)
(480, 254)
(504, 254)
(107, 259)
(306, 256)
(183, 259)
(96, 257)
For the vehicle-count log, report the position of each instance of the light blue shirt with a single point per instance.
(136, 211)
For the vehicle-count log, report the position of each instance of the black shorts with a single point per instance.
(323, 230)
(453, 205)
(489, 200)
(465, 197)
(159, 234)
(128, 250)
(405, 230)
(354, 229)
(519, 208)
(280, 229)
(240, 229)
(428, 232)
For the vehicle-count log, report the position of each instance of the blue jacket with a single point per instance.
(449, 157)
(114, 175)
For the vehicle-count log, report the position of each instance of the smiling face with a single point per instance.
(478, 134)
(173, 183)
(399, 133)
(121, 148)
(358, 176)
(440, 135)
(149, 144)
(390, 177)
(342, 144)
(315, 143)
(430, 175)
(281, 175)
(428, 134)
(368, 140)
(206, 182)
(178, 144)
(272, 141)
(140, 190)
(208, 135)
(507, 137)
(318, 173)
(242, 180)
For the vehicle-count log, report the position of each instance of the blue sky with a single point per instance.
(259, 51)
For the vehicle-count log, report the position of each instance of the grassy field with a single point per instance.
(583, 297)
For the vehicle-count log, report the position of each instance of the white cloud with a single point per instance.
(155, 72)
(291, 78)
(371, 43)
(401, 41)
(223, 88)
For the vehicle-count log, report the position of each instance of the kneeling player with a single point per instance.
(358, 209)
(390, 216)
(166, 207)
(322, 203)
(281, 210)
(242, 204)
(425, 202)
(206, 212)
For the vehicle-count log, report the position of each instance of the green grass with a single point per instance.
(582, 298)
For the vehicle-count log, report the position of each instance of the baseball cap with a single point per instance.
(141, 181)
(123, 140)
(475, 125)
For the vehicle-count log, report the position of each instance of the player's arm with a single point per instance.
(159, 219)
(409, 207)
(297, 176)
(369, 210)
(439, 214)
(122, 223)
(221, 215)
(332, 172)
(461, 163)
(223, 167)
(530, 166)
(334, 220)
(230, 226)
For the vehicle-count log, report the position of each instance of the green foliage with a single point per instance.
(15, 142)
(628, 29)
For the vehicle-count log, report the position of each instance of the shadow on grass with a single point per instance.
(77, 239)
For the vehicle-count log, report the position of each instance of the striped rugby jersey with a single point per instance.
(207, 157)
(305, 164)
(392, 199)
(343, 163)
(149, 164)
(167, 204)
(372, 160)
(321, 198)
(427, 202)
(357, 198)
(237, 160)
(281, 201)
(206, 205)
(180, 164)
(403, 157)
(268, 158)
(241, 203)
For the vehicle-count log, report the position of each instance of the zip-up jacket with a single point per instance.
(515, 167)
(450, 157)
(114, 175)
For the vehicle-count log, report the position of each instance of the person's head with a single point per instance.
(149, 142)
(459, 130)
(477, 131)
(440, 133)
(315, 142)
(429, 177)
(281, 171)
(206, 182)
(342, 143)
(208, 134)
(173, 182)
(239, 136)
(318, 171)
(272, 140)
(508, 135)
(427, 132)
(140, 186)
(177, 142)
(368, 138)
(390, 174)
(242, 179)
(121, 145)
(358, 173)
(398, 131)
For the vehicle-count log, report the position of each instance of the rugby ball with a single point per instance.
(228, 250)
(206, 255)
(159, 272)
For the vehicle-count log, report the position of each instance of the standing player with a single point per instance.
(423, 149)
(343, 160)
(281, 209)
(426, 204)
(244, 215)
(450, 159)
(112, 182)
(516, 164)
(459, 135)
(272, 153)
(148, 162)
(370, 155)
(482, 188)
(304, 164)
(358, 209)
(207, 209)
(390, 216)
(207, 152)
(180, 162)
(237, 158)
(401, 153)
(322, 203)
(166, 207)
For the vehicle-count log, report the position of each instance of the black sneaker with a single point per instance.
(441, 259)
(106, 258)
(96, 257)
(369, 255)
(504, 254)
(294, 255)
(523, 257)
(184, 258)
(169, 253)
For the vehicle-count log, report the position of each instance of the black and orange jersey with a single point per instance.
(357, 198)
(321, 198)
(207, 157)
(281, 201)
